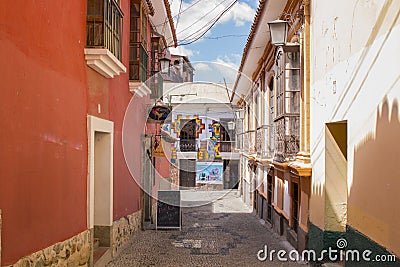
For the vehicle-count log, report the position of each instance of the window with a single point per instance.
(271, 115)
(287, 116)
(138, 57)
(103, 26)
(156, 80)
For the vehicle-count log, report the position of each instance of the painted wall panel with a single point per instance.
(43, 159)
(354, 78)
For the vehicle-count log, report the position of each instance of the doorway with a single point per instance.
(100, 184)
(148, 177)
(187, 173)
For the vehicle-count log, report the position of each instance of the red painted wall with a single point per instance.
(127, 194)
(43, 137)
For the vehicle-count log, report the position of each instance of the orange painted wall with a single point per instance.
(43, 137)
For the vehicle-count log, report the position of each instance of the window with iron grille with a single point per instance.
(103, 25)
(138, 57)
(271, 116)
(287, 99)
(156, 79)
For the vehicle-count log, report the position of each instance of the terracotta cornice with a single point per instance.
(171, 22)
(249, 40)
(150, 7)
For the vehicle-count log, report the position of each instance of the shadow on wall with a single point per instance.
(373, 202)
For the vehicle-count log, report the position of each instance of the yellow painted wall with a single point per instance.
(354, 55)
(374, 198)
(336, 177)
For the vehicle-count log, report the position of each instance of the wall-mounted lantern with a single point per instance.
(278, 30)
(231, 125)
(164, 65)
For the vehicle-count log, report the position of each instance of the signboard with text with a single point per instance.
(169, 210)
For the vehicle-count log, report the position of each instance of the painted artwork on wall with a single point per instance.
(180, 121)
(209, 173)
(214, 144)
(202, 154)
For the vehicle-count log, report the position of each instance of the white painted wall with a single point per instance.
(354, 59)
(354, 70)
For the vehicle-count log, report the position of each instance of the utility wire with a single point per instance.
(199, 19)
(225, 36)
(183, 11)
(213, 23)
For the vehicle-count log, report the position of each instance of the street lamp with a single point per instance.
(278, 30)
(164, 65)
(240, 114)
(231, 125)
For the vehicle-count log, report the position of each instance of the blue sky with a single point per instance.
(223, 44)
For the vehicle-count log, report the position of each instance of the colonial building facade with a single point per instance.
(69, 195)
(271, 91)
(317, 118)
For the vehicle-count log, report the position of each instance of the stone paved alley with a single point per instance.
(222, 233)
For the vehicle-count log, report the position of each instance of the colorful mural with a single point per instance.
(209, 173)
(214, 144)
(180, 122)
(202, 154)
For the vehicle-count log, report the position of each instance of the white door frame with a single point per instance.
(99, 125)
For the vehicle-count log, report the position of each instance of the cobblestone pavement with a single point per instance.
(222, 233)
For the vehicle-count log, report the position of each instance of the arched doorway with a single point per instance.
(187, 143)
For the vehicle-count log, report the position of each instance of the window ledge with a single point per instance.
(104, 62)
(139, 88)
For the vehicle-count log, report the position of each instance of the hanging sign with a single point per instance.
(158, 150)
(159, 113)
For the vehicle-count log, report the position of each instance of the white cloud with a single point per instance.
(228, 66)
(232, 61)
(193, 21)
(202, 67)
(183, 51)
(240, 13)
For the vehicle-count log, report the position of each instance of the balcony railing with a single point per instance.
(103, 26)
(252, 141)
(249, 141)
(187, 145)
(265, 142)
(287, 138)
(226, 146)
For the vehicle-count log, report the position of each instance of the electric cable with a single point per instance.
(214, 22)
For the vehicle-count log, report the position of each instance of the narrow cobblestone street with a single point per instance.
(222, 233)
